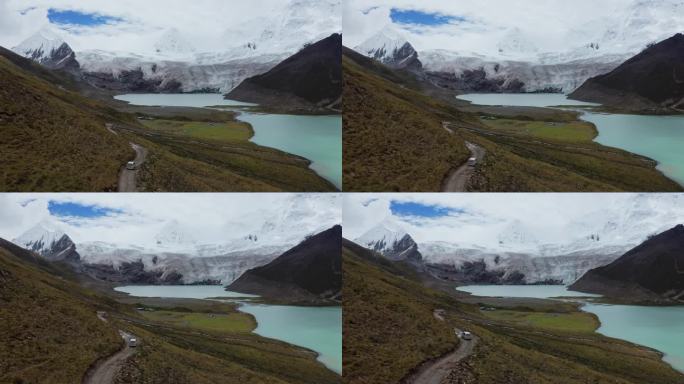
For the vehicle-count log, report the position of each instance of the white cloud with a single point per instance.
(206, 24)
(209, 218)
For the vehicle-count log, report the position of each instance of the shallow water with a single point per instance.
(660, 328)
(533, 291)
(315, 328)
(317, 138)
(658, 137)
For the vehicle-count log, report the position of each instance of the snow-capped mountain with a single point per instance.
(516, 252)
(48, 49)
(174, 64)
(49, 242)
(174, 255)
(391, 48)
(390, 240)
(515, 63)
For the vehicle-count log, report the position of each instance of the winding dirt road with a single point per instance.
(104, 371)
(458, 179)
(437, 370)
(127, 176)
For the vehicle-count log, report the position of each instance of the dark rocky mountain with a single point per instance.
(310, 78)
(653, 270)
(311, 271)
(652, 80)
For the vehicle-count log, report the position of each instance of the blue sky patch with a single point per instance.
(399, 208)
(64, 209)
(409, 16)
(79, 18)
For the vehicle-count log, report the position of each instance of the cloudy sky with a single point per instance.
(134, 25)
(137, 218)
(478, 26)
(472, 217)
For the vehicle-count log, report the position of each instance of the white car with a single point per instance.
(132, 342)
(465, 335)
(472, 162)
(130, 165)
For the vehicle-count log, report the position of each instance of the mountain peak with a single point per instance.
(49, 49)
(391, 240)
(46, 239)
(391, 48)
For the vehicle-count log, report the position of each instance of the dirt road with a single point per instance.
(458, 178)
(436, 371)
(104, 371)
(127, 176)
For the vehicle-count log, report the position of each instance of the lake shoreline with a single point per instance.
(609, 322)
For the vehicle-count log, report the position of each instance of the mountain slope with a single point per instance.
(54, 139)
(393, 316)
(311, 270)
(393, 135)
(311, 77)
(654, 269)
(653, 80)
(50, 332)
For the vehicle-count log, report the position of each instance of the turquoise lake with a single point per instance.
(533, 291)
(660, 328)
(315, 328)
(316, 138)
(658, 137)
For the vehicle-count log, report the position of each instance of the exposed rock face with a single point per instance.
(133, 273)
(392, 49)
(654, 269)
(651, 80)
(49, 50)
(311, 77)
(391, 241)
(311, 270)
(50, 243)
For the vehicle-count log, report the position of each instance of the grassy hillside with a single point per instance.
(210, 151)
(393, 136)
(200, 341)
(394, 141)
(50, 332)
(54, 139)
(389, 328)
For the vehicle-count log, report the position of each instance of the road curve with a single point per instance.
(104, 371)
(437, 370)
(127, 176)
(458, 179)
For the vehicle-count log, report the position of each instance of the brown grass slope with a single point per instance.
(53, 139)
(389, 329)
(393, 139)
(50, 332)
